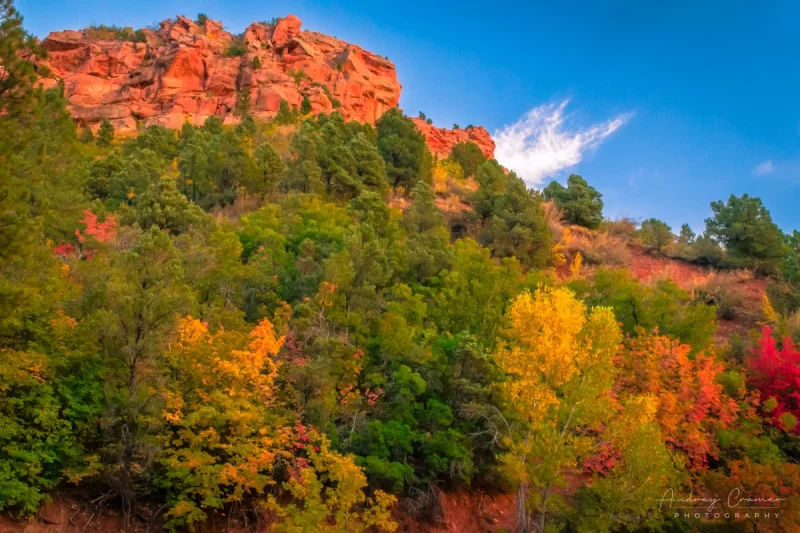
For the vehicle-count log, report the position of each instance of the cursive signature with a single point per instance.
(669, 495)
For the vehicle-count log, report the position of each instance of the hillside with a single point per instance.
(242, 291)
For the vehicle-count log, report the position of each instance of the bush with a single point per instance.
(201, 19)
(598, 248)
(703, 251)
(622, 227)
(297, 74)
(101, 32)
(655, 234)
(236, 49)
(719, 289)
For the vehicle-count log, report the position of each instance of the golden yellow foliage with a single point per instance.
(444, 171)
(575, 267)
(770, 315)
(552, 339)
(222, 441)
(559, 359)
(328, 496)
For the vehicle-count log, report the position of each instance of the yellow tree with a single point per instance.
(228, 440)
(325, 493)
(559, 360)
(222, 439)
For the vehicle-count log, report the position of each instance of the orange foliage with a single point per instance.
(692, 406)
(773, 489)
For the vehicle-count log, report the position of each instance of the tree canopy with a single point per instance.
(580, 202)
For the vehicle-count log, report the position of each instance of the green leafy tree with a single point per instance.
(404, 150)
(656, 234)
(87, 136)
(105, 135)
(132, 305)
(469, 156)
(745, 228)
(369, 165)
(686, 236)
(285, 114)
(305, 106)
(36, 438)
(581, 203)
(270, 167)
(162, 205)
(512, 218)
(304, 172)
(428, 239)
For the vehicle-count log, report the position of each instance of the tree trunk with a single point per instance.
(540, 520)
(522, 515)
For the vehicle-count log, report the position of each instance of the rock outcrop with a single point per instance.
(441, 141)
(189, 71)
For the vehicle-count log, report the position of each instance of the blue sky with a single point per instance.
(663, 106)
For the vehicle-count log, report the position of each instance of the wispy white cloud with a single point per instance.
(539, 145)
(767, 167)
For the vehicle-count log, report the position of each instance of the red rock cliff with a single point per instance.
(184, 71)
(442, 140)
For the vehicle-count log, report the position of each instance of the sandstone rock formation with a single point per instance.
(441, 140)
(188, 71)
(185, 71)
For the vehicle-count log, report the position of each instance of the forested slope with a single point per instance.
(310, 324)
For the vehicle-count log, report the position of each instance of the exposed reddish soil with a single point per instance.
(467, 512)
(689, 277)
(67, 516)
(463, 512)
(646, 267)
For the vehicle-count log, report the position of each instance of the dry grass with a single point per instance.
(452, 204)
(621, 227)
(793, 325)
(398, 199)
(597, 248)
(722, 290)
(242, 205)
(671, 271)
(555, 220)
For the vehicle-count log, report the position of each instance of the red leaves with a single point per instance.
(98, 231)
(101, 231)
(604, 461)
(302, 436)
(692, 406)
(776, 374)
(64, 250)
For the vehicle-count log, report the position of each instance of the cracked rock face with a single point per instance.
(186, 71)
(441, 141)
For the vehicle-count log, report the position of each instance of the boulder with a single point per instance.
(285, 30)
